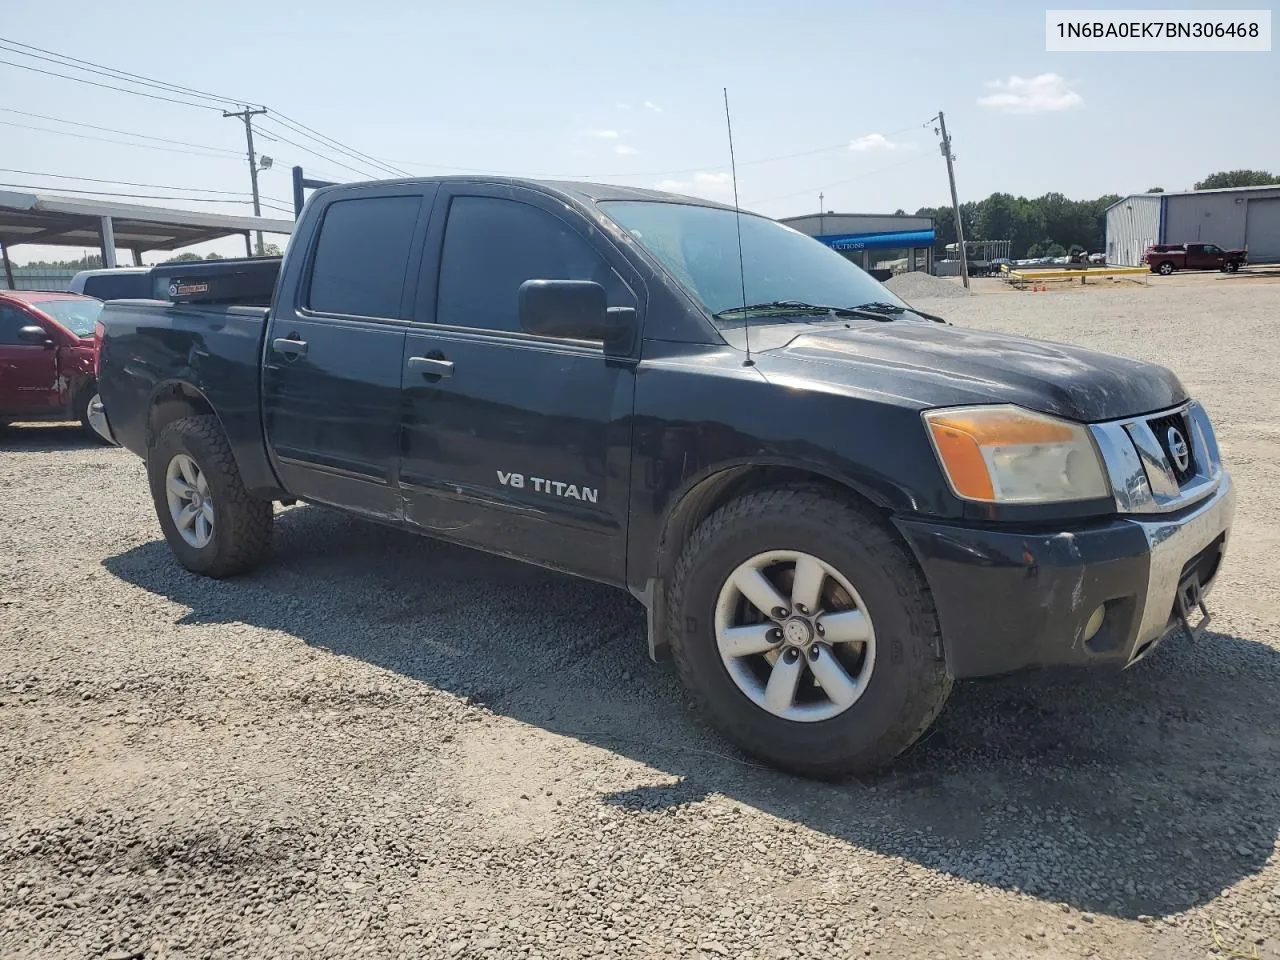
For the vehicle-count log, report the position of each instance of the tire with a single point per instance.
(906, 684)
(239, 535)
(1165, 268)
(1232, 266)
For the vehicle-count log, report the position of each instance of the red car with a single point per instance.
(48, 356)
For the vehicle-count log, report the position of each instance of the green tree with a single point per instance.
(273, 250)
(1055, 250)
(1237, 178)
(187, 257)
(1155, 189)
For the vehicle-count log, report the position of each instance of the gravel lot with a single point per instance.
(379, 745)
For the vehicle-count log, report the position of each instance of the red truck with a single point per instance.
(1164, 258)
(48, 356)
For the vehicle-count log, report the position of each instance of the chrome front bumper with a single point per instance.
(98, 420)
(1174, 543)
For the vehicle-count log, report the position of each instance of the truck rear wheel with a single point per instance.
(1165, 268)
(803, 629)
(212, 524)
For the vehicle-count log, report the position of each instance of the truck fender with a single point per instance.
(172, 400)
(704, 492)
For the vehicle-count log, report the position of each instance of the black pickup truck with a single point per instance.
(830, 504)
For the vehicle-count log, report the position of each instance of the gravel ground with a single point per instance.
(917, 285)
(383, 746)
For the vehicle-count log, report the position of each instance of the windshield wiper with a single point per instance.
(880, 311)
(782, 307)
(879, 306)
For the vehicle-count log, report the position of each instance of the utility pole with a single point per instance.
(822, 222)
(955, 203)
(247, 115)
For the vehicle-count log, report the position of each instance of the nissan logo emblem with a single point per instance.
(1178, 449)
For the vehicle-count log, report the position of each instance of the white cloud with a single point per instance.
(650, 105)
(713, 186)
(622, 106)
(623, 150)
(1041, 94)
(873, 142)
(602, 134)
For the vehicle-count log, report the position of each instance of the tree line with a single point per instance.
(1053, 225)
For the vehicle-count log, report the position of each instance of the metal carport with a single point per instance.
(72, 221)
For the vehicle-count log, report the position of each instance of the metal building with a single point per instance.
(857, 235)
(1232, 217)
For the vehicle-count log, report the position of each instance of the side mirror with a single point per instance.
(576, 309)
(34, 334)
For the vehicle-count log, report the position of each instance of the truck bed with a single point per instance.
(213, 349)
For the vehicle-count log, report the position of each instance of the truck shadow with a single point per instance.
(47, 438)
(1147, 792)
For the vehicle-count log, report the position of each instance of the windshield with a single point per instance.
(699, 246)
(78, 316)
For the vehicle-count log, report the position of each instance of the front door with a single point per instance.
(28, 372)
(516, 443)
(331, 378)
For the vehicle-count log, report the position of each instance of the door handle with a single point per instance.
(289, 347)
(431, 367)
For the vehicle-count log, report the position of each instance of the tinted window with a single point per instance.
(125, 286)
(492, 246)
(362, 256)
(11, 321)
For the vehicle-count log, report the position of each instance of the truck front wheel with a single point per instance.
(803, 629)
(212, 524)
(1232, 266)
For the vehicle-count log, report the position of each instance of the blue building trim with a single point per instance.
(897, 240)
(1164, 209)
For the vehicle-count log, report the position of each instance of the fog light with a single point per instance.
(1095, 622)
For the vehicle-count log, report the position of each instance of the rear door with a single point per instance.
(516, 443)
(28, 372)
(1197, 259)
(331, 374)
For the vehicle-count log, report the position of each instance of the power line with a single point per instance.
(120, 183)
(301, 128)
(75, 63)
(305, 149)
(107, 86)
(842, 145)
(127, 133)
(89, 66)
(837, 183)
(125, 143)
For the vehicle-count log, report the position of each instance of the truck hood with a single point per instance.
(932, 364)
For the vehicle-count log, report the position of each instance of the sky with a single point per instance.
(835, 98)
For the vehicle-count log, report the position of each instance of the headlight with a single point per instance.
(1004, 454)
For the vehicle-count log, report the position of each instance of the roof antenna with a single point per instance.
(737, 212)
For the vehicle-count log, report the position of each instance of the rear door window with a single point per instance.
(362, 256)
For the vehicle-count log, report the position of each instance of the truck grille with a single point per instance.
(1167, 429)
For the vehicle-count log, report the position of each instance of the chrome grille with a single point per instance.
(1173, 433)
